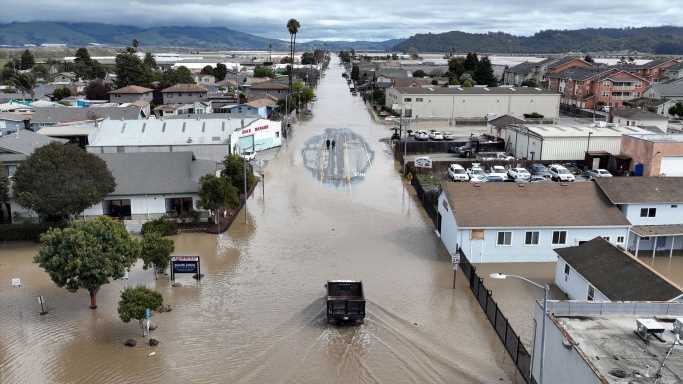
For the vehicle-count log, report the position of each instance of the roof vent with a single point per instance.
(223, 126)
(538, 89)
(486, 89)
(163, 127)
(144, 125)
(184, 125)
(203, 126)
(123, 127)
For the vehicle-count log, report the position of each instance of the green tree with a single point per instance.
(676, 110)
(156, 251)
(7, 72)
(61, 93)
(97, 90)
(24, 83)
(293, 28)
(184, 76)
(87, 254)
(233, 170)
(40, 71)
(217, 193)
(419, 73)
(58, 181)
(135, 301)
(207, 70)
(307, 58)
(4, 199)
(136, 44)
(471, 62)
(261, 71)
(220, 72)
(87, 68)
(130, 70)
(149, 61)
(467, 83)
(456, 67)
(355, 72)
(483, 74)
(27, 60)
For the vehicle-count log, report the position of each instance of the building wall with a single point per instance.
(645, 152)
(449, 228)
(561, 365)
(665, 214)
(522, 145)
(487, 251)
(9, 126)
(214, 152)
(661, 124)
(130, 97)
(254, 94)
(574, 284)
(142, 206)
(183, 97)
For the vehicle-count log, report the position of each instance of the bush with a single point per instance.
(22, 232)
(161, 225)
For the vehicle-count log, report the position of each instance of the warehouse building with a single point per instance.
(654, 155)
(565, 141)
(472, 104)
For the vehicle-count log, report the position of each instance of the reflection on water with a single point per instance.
(338, 156)
(257, 316)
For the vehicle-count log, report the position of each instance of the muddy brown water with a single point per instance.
(257, 316)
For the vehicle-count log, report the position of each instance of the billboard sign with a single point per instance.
(184, 264)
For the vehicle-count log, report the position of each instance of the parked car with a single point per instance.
(448, 136)
(457, 173)
(421, 135)
(345, 301)
(497, 173)
(576, 171)
(491, 156)
(537, 179)
(423, 162)
(539, 170)
(474, 178)
(560, 173)
(435, 135)
(593, 173)
(519, 174)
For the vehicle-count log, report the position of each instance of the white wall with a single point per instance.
(575, 285)
(449, 228)
(557, 148)
(142, 205)
(665, 214)
(214, 152)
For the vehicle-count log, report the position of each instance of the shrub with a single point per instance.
(22, 232)
(161, 225)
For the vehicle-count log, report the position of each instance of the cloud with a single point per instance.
(356, 19)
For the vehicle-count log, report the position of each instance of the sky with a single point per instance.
(356, 19)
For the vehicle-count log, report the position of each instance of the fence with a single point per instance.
(513, 345)
(429, 198)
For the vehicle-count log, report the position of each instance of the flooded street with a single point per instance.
(257, 316)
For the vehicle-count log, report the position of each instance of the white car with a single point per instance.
(598, 173)
(478, 179)
(421, 135)
(457, 173)
(491, 156)
(477, 174)
(560, 173)
(435, 135)
(248, 155)
(519, 174)
(449, 136)
(497, 173)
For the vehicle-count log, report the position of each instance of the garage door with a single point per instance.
(672, 165)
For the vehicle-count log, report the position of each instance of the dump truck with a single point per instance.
(345, 301)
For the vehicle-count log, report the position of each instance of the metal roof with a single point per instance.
(25, 142)
(663, 138)
(436, 90)
(566, 130)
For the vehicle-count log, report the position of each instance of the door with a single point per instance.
(596, 163)
(671, 166)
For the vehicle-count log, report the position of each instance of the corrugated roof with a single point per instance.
(53, 115)
(14, 116)
(436, 90)
(509, 205)
(25, 142)
(618, 275)
(637, 190)
(151, 173)
(567, 130)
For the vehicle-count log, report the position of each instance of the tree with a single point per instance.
(40, 71)
(135, 301)
(27, 60)
(87, 68)
(676, 110)
(61, 93)
(7, 72)
(58, 181)
(483, 74)
(307, 58)
(130, 70)
(4, 199)
(207, 70)
(467, 83)
(471, 62)
(155, 251)
(529, 83)
(149, 61)
(136, 44)
(261, 71)
(233, 171)
(456, 67)
(24, 83)
(184, 75)
(419, 73)
(293, 28)
(286, 60)
(220, 72)
(97, 90)
(588, 59)
(355, 72)
(217, 193)
(87, 254)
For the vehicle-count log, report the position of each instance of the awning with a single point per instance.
(658, 230)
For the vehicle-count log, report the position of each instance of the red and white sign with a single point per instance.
(184, 258)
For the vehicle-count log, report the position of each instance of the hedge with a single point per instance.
(161, 225)
(22, 232)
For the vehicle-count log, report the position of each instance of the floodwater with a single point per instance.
(257, 316)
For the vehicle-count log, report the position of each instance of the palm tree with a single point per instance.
(293, 28)
(23, 82)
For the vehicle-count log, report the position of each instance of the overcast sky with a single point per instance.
(356, 19)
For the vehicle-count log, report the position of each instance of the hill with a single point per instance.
(657, 40)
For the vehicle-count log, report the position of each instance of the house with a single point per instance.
(593, 87)
(599, 343)
(152, 184)
(196, 108)
(658, 106)
(654, 155)
(65, 78)
(654, 70)
(76, 133)
(597, 270)
(184, 94)
(565, 141)
(640, 118)
(670, 90)
(528, 71)
(260, 135)
(47, 116)
(472, 104)
(510, 222)
(501, 122)
(674, 72)
(411, 82)
(131, 94)
(266, 89)
(208, 139)
(204, 79)
(12, 122)
(264, 106)
(653, 206)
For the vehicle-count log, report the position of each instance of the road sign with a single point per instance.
(148, 313)
(185, 264)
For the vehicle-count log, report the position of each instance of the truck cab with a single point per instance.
(345, 301)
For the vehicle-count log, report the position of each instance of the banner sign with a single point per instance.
(184, 264)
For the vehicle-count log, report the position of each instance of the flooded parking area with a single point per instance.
(257, 316)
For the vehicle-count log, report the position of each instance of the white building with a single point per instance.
(598, 271)
(507, 222)
(474, 103)
(260, 135)
(564, 141)
(654, 207)
(596, 343)
(644, 119)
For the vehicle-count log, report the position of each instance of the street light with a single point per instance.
(545, 288)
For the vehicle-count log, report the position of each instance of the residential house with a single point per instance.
(597, 270)
(131, 94)
(654, 155)
(653, 71)
(674, 72)
(528, 71)
(669, 90)
(152, 184)
(65, 78)
(196, 108)
(641, 118)
(266, 89)
(658, 106)
(264, 107)
(411, 82)
(510, 222)
(47, 116)
(653, 206)
(184, 94)
(12, 122)
(594, 87)
(204, 79)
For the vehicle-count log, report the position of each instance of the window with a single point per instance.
(674, 205)
(648, 212)
(620, 239)
(606, 238)
(504, 238)
(419, 99)
(591, 293)
(277, 134)
(408, 99)
(566, 272)
(559, 237)
(531, 238)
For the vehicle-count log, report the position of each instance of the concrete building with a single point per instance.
(152, 184)
(654, 155)
(131, 94)
(598, 343)
(507, 222)
(564, 141)
(644, 119)
(475, 103)
(599, 271)
(653, 206)
(184, 94)
(260, 135)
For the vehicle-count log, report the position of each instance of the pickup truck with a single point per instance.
(345, 301)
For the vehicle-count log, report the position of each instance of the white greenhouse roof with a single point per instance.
(564, 130)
